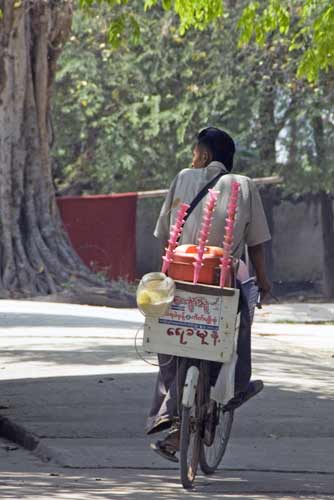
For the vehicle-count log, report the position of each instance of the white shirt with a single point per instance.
(250, 227)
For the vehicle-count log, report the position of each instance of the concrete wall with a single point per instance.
(297, 242)
(149, 251)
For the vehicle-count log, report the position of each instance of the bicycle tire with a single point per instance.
(190, 439)
(211, 456)
(217, 427)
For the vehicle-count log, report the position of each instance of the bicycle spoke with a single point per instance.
(212, 455)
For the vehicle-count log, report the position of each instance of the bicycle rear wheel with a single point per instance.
(211, 456)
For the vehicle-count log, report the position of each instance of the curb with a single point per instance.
(20, 435)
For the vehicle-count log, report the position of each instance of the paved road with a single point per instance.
(70, 375)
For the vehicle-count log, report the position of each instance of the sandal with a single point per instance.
(168, 447)
(254, 388)
(164, 451)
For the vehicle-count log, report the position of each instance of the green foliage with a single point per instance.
(125, 26)
(126, 120)
(274, 17)
(320, 53)
(193, 14)
(308, 26)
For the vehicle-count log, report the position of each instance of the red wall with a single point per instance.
(102, 230)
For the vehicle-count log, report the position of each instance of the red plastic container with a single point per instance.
(182, 268)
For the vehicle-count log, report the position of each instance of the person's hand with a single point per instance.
(264, 287)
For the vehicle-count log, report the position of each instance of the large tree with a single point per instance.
(35, 254)
(36, 257)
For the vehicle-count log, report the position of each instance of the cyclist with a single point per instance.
(213, 154)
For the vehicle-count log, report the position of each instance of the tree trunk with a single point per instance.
(36, 256)
(268, 130)
(293, 146)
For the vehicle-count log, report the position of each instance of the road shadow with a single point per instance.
(110, 411)
(59, 404)
(30, 320)
(288, 426)
(90, 355)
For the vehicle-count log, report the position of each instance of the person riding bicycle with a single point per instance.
(213, 155)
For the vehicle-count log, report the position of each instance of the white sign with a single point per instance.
(197, 325)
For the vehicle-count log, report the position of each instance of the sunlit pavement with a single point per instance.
(71, 375)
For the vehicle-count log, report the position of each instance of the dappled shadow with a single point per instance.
(146, 485)
(296, 371)
(55, 406)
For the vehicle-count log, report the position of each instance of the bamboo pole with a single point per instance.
(158, 193)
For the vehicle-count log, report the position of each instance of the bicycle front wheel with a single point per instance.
(211, 456)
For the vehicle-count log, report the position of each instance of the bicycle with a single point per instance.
(205, 427)
(211, 336)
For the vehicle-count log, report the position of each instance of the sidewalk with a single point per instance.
(296, 313)
(70, 375)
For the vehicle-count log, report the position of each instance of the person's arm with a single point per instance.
(162, 227)
(256, 235)
(257, 258)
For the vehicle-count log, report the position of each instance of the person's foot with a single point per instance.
(239, 399)
(168, 447)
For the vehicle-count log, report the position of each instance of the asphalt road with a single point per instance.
(70, 375)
